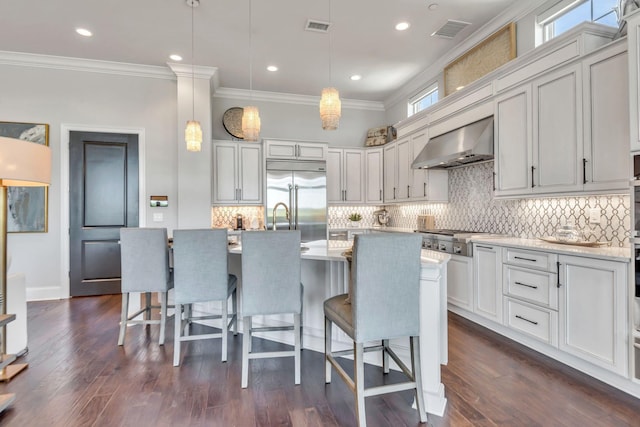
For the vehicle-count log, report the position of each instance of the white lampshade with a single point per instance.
(24, 163)
(193, 135)
(251, 123)
(330, 108)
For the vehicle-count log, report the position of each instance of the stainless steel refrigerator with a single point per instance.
(298, 191)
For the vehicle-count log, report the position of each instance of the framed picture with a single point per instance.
(27, 206)
(494, 51)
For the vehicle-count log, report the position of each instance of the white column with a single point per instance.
(194, 89)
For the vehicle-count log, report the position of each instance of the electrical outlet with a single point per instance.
(158, 217)
(594, 216)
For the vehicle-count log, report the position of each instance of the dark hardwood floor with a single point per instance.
(78, 376)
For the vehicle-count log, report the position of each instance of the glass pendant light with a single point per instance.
(330, 105)
(193, 131)
(250, 114)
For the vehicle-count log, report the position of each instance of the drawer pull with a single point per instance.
(558, 275)
(525, 259)
(526, 320)
(528, 286)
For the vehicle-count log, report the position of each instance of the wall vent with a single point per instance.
(450, 29)
(317, 26)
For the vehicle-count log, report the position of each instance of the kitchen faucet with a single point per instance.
(286, 213)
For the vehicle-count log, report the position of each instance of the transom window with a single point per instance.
(423, 99)
(566, 14)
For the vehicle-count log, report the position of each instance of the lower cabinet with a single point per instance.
(593, 311)
(576, 304)
(487, 281)
(460, 282)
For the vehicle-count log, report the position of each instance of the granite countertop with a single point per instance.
(609, 253)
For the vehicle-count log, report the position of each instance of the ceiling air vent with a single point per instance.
(451, 29)
(317, 26)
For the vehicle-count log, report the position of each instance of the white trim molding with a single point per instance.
(20, 59)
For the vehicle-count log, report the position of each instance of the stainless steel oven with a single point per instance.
(457, 242)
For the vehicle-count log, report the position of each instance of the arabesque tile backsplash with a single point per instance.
(472, 207)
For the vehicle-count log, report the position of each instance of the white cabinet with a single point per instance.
(593, 311)
(557, 131)
(460, 282)
(390, 173)
(566, 131)
(237, 173)
(487, 281)
(512, 139)
(374, 175)
(402, 183)
(633, 39)
(345, 175)
(606, 121)
(295, 150)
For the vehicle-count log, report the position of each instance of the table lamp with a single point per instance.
(22, 164)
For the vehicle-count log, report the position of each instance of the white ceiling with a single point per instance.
(363, 38)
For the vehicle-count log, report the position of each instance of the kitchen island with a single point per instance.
(325, 274)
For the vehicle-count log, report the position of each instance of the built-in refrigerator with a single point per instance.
(298, 191)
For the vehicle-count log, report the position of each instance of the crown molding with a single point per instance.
(290, 98)
(514, 13)
(196, 71)
(21, 59)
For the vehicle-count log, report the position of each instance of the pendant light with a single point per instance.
(250, 115)
(193, 131)
(330, 105)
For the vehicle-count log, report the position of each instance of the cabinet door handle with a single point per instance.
(533, 168)
(558, 275)
(424, 189)
(485, 247)
(525, 259)
(584, 171)
(407, 191)
(240, 193)
(380, 195)
(394, 193)
(524, 284)
(494, 181)
(526, 320)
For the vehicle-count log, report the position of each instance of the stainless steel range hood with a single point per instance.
(469, 144)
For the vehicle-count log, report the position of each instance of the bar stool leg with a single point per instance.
(225, 328)
(358, 369)
(327, 350)
(163, 315)
(385, 356)
(246, 340)
(177, 329)
(297, 331)
(123, 317)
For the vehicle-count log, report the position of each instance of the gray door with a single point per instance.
(103, 197)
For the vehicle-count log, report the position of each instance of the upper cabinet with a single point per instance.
(345, 175)
(633, 38)
(606, 120)
(374, 175)
(237, 173)
(566, 131)
(295, 150)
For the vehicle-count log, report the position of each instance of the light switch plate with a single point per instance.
(594, 216)
(158, 217)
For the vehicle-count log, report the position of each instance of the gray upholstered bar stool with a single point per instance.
(200, 275)
(270, 285)
(144, 255)
(385, 300)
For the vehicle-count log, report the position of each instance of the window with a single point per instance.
(424, 99)
(566, 14)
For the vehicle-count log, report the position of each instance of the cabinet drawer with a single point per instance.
(537, 322)
(530, 259)
(538, 287)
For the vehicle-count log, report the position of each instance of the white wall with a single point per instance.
(281, 120)
(57, 97)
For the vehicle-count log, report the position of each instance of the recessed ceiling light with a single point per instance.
(175, 57)
(433, 6)
(84, 32)
(355, 77)
(402, 26)
(272, 68)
